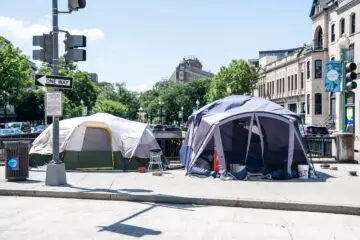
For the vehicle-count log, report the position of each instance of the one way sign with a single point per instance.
(53, 81)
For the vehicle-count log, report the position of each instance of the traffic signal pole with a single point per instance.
(343, 98)
(49, 53)
(55, 170)
(55, 29)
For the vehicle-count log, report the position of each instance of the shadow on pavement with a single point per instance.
(28, 181)
(135, 190)
(135, 231)
(321, 177)
(107, 190)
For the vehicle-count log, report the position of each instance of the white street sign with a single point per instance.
(54, 104)
(53, 81)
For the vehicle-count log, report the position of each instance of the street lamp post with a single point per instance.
(344, 44)
(161, 103)
(228, 90)
(182, 115)
(140, 113)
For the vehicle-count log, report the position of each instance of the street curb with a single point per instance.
(286, 206)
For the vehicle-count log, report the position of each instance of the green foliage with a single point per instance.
(174, 96)
(15, 73)
(129, 99)
(83, 89)
(69, 109)
(111, 107)
(239, 76)
(30, 105)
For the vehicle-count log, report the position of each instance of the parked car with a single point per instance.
(10, 131)
(24, 127)
(172, 128)
(158, 127)
(39, 128)
(315, 131)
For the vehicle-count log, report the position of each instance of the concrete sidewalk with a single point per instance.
(333, 191)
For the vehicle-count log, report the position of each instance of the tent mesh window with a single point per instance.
(276, 144)
(206, 159)
(234, 136)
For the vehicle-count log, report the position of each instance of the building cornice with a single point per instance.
(289, 62)
(347, 6)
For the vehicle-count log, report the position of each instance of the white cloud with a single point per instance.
(20, 30)
(140, 87)
(91, 33)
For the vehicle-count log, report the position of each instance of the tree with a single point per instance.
(83, 90)
(174, 96)
(69, 109)
(31, 105)
(15, 72)
(239, 77)
(129, 99)
(111, 107)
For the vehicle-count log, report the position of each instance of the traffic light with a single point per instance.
(75, 5)
(46, 43)
(72, 43)
(350, 76)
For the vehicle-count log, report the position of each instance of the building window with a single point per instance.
(295, 81)
(351, 53)
(353, 23)
(318, 69)
(342, 26)
(308, 70)
(292, 82)
(277, 86)
(272, 86)
(333, 33)
(293, 107)
(318, 104)
(302, 108)
(289, 83)
(283, 83)
(318, 40)
(302, 80)
(308, 104)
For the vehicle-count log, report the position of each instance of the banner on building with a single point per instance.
(333, 76)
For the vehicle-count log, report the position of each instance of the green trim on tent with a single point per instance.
(98, 160)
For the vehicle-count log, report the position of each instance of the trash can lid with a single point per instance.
(16, 144)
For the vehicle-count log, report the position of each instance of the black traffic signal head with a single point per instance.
(75, 5)
(350, 76)
(45, 53)
(74, 41)
(72, 45)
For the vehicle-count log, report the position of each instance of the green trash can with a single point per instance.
(16, 160)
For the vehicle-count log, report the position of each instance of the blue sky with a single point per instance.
(142, 41)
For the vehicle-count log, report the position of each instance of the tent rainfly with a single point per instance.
(247, 133)
(99, 141)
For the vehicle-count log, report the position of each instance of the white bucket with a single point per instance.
(303, 171)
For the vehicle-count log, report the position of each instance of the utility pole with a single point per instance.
(55, 28)
(49, 53)
(55, 171)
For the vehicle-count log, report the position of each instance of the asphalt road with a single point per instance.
(44, 218)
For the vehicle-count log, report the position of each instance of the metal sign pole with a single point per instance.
(55, 171)
(55, 33)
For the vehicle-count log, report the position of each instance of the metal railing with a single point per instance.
(320, 147)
